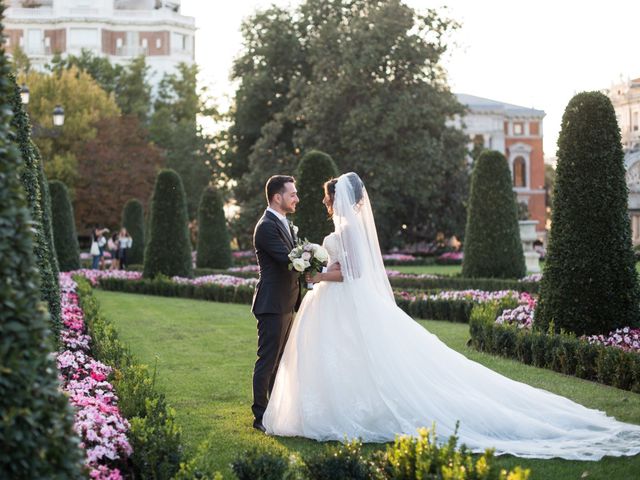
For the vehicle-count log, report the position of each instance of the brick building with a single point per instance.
(517, 133)
(118, 29)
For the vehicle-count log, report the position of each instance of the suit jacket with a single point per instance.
(278, 289)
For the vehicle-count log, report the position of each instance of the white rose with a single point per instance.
(299, 264)
(306, 264)
(306, 256)
(321, 254)
(295, 229)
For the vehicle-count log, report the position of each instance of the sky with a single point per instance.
(533, 54)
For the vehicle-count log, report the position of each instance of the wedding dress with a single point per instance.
(357, 366)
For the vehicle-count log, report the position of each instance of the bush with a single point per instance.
(590, 283)
(30, 176)
(344, 461)
(560, 352)
(311, 217)
(214, 249)
(37, 438)
(461, 283)
(169, 249)
(64, 228)
(260, 465)
(154, 434)
(492, 237)
(133, 221)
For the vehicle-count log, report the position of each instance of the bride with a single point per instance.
(357, 366)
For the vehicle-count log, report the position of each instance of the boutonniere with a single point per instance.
(294, 228)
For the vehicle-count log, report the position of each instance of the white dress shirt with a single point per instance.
(283, 220)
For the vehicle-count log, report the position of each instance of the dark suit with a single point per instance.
(277, 296)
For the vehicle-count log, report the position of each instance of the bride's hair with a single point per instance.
(330, 189)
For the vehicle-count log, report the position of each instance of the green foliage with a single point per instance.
(214, 249)
(47, 216)
(560, 352)
(64, 228)
(168, 251)
(344, 461)
(363, 83)
(590, 283)
(492, 237)
(314, 169)
(36, 421)
(257, 464)
(30, 174)
(133, 221)
(154, 434)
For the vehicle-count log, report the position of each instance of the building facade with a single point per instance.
(118, 29)
(625, 97)
(517, 133)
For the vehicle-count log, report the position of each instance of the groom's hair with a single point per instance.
(276, 184)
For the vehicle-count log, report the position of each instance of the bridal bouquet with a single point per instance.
(308, 257)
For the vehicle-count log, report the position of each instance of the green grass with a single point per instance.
(205, 353)
(430, 269)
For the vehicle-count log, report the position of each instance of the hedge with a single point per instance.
(64, 228)
(559, 352)
(214, 249)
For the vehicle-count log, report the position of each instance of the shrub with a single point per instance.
(344, 461)
(168, 251)
(37, 438)
(590, 283)
(133, 221)
(64, 228)
(492, 236)
(259, 464)
(314, 169)
(214, 249)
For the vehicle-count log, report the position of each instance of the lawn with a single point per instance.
(430, 269)
(205, 353)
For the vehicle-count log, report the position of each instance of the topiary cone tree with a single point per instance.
(168, 251)
(590, 284)
(314, 169)
(65, 238)
(36, 422)
(214, 249)
(133, 221)
(30, 176)
(492, 247)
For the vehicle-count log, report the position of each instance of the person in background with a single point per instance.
(102, 243)
(124, 243)
(112, 247)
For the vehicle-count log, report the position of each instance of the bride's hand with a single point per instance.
(313, 278)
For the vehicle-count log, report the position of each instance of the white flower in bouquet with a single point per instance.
(306, 256)
(321, 253)
(299, 265)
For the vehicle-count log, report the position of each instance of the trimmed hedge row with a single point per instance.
(457, 311)
(154, 433)
(419, 261)
(559, 352)
(461, 283)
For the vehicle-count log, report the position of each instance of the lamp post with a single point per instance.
(57, 116)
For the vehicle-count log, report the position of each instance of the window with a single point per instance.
(35, 42)
(519, 172)
(518, 128)
(80, 38)
(119, 42)
(158, 43)
(145, 43)
(635, 121)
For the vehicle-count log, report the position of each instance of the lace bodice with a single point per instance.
(332, 245)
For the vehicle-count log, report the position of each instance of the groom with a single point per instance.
(277, 293)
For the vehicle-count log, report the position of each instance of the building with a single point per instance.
(517, 133)
(118, 29)
(625, 97)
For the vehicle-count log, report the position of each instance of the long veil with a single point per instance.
(356, 231)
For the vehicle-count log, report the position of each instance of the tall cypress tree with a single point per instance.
(36, 422)
(590, 285)
(492, 245)
(46, 215)
(30, 175)
(214, 250)
(64, 228)
(168, 251)
(314, 169)
(133, 221)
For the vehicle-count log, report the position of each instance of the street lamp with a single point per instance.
(24, 94)
(58, 116)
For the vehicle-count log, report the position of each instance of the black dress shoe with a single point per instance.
(258, 426)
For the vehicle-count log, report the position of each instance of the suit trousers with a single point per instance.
(273, 331)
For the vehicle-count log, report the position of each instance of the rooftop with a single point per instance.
(486, 105)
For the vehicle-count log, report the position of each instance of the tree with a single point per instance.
(85, 103)
(314, 169)
(133, 221)
(174, 128)
(590, 284)
(168, 251)
(372, 93)
(30, 176)
(214, 249)
(492, 245)
(118, 164)
(37, 438)
(64, 227)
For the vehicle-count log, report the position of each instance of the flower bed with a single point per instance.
(450, 258)
(627, 339)
(98, 421)
(405, 259)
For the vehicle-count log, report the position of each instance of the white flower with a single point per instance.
(299, 264)
(321, 253)
(306, 256)
(295, 229)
